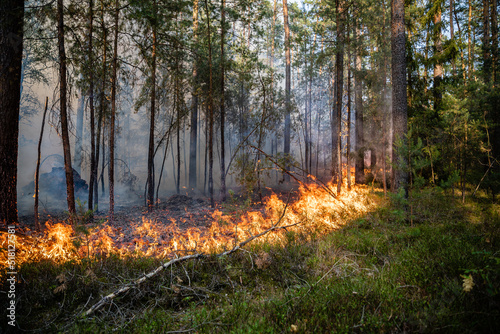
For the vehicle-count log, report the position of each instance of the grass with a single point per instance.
(380, 273)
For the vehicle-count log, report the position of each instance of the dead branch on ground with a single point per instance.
(107, 299)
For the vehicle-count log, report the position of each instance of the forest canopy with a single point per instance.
(156, 97)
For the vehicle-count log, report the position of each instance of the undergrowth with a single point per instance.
(436, 271)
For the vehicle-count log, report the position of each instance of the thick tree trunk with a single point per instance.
(399, 99)
(194, 107)
(63, 106)
(111, 168)
(286, 148)
(11, 51)
(151, 186)
(359, 175)
(438, 67)
(100, 116)
(93, 167)
(210, 114)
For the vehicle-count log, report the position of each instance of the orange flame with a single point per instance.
(315, 208)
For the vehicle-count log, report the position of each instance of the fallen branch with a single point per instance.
(105, 300)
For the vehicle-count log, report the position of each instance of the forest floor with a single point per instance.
(436, 270)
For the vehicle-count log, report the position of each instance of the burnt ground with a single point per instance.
(183, 210)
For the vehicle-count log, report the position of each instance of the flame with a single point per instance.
(315, 209)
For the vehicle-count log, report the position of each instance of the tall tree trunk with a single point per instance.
(333, 125)
(339, 85)
(11, 53)
(210, 113)
(452, 34)
(93, 167)
(494, 41)
(271, 64)
(306, 117)
(70, 191)
(286, 149)
(37, 171)
(100, 116)
(486, 41)
(77, 158)
(151, 186)
(469, 41)
(358, 106)
(399, 98)
(194, 106)
(348, 139)
(178, 123)
(438, 67)
(222, 106)
(111, 168)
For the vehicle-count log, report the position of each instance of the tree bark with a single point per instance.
(222, 106)
(452, 34)
(486, 41)
(37, 171)
(151, 186)
(494, 42)
(339, 86)
(348, 138)
(399, 98)
(93, 167)
(359, 175)
(286, 148)
(438, 67)
(210, 113)
(63, 106)
(100, 116)
(111, 168)
(194, 107)
(77, 158)
(11, 52)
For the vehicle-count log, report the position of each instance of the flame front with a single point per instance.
(315, 209)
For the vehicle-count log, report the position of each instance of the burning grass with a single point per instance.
(376, 272)
(314, 207)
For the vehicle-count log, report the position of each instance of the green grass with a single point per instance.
(384, 272)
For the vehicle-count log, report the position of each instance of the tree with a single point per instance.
(194, 105)
(339, 88)
(150, 193)
(90, 74)
(358, 106)
(11, 51)
(210, 112)
(222, 107)
(286, 149)
(114, 77)
(399, 98)
(63, 108)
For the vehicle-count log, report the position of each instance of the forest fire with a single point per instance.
(315, 209)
